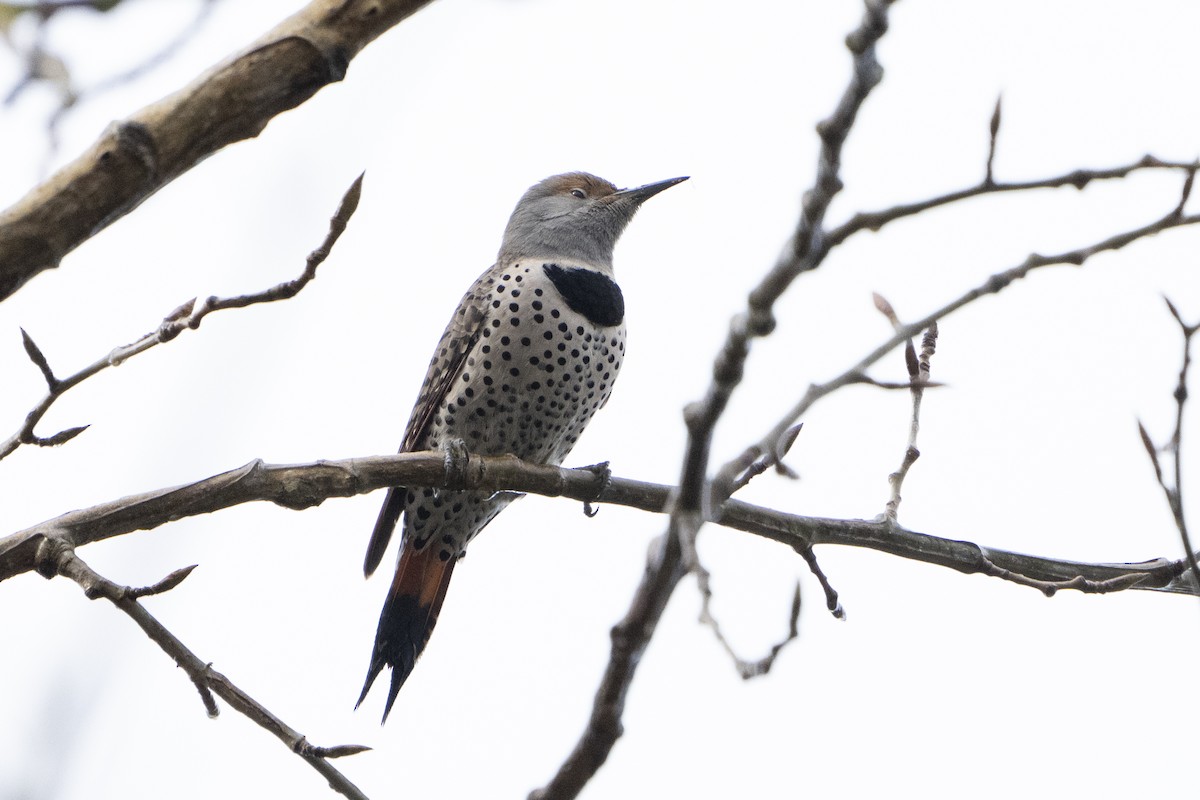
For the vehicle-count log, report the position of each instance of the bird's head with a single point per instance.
(574, 216)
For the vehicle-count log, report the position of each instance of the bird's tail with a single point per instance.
(408, 617)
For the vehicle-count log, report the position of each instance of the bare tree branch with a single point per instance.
(1117, 583)
(630, 638)
(1173, 448)
(139, 155)
(47, 67)
(135, 167)
(730, 478)
(994, 132)
(746, 668)
(49, 7)
(994, 284)
(805, 251)
(56, 556)
(301, 486)
(752, 464)
(832, 604)
(39, 359)
(1079, 179)
(184, 317)
(918, 376)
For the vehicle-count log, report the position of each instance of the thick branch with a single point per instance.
(300, 486)
(139, 155)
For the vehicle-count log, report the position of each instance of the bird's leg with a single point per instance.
(455, 455)
(601, 471)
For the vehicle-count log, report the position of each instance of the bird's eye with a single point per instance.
(580, 193)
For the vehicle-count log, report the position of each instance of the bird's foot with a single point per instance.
(455, 453)
(601, 471)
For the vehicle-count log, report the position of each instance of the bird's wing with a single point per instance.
(457, 343)
(452, 351)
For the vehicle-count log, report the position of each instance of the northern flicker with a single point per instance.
(530, 354)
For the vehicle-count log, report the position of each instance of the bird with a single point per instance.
(528, 357)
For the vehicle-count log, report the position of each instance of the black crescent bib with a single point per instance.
(592, 294)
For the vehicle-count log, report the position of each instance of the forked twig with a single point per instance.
(998, 282)
(1173, 491)
(57, 557)
(185, 317)
(918, 376)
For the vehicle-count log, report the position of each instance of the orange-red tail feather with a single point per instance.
(409, 614)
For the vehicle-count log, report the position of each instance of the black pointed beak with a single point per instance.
(641, 194)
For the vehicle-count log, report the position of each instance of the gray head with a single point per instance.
(573, 216)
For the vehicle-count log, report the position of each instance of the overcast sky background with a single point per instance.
(939, 684)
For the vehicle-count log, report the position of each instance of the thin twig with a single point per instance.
(746, 668)
(994, 131)
(57, 557)
(1079, 179)
(993, 285)
(1117, 583)
(1174, 446)
(48, 7)
(185, 317)
(753, 669)
(832, 603)
(918, 376)
(753, 464)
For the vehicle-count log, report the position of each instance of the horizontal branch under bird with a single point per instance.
(300, 486)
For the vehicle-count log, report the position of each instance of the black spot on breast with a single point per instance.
(592, 294)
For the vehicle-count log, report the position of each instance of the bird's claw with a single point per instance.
(455, 455)
(602, 471)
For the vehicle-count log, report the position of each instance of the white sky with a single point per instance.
(939, 685)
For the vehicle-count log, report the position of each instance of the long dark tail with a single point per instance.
(389, 515)
(408, 617)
